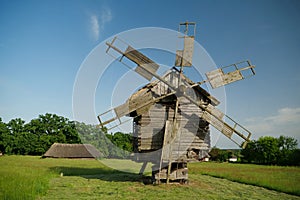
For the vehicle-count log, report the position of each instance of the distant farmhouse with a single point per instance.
(58, 150)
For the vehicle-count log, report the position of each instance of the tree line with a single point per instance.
(223, 155)
(272, 151)
(117, 145)
(266, 150)
(36, 136)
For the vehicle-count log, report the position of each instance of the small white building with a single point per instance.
(232, 159)
(206, 159)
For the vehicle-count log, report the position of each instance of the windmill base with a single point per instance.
(178, 173)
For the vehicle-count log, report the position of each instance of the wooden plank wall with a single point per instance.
(193, 132)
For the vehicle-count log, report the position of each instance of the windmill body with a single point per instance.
(171, 115)
(165, 135)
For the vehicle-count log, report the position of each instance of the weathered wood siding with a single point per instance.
(192, 133)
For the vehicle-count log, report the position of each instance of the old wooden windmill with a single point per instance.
(171, 115)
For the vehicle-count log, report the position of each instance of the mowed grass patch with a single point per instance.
(91, 179)
(283, 179)
(120, 185)
(113, 184)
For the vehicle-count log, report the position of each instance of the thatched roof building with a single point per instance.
(58, 150)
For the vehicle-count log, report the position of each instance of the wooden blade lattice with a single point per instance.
(147, 68)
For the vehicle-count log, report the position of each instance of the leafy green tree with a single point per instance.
(287, 148)
(219, 154)
(122, 144)
(4, 136)
(270, 150)
(214, 153)
(15, 139)
(294, 158)
(16, 125)
(51, 128)
(123, 141)
(91, 134)
(117, 145)
(249, 153)
(37, 136)
(59, 128)
(42, 141)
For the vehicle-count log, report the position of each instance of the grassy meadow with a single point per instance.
(29, 177)
(283, 179)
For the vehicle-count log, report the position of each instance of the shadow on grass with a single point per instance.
(102, 174)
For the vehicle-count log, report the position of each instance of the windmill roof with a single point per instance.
(58, 150)
(197, 88)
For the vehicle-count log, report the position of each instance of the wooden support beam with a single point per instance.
(143, 168)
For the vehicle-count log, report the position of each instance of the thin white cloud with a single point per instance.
(286, 115)
(98, 23)
(95, 27)
(285, 122)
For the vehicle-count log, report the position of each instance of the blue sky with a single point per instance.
(43, 44)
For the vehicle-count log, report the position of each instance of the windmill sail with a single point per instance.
(184, 57)
(141, 60)
(139, 105)
(219, 77)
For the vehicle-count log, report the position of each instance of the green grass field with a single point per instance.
(283, 179)
(28, 177)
